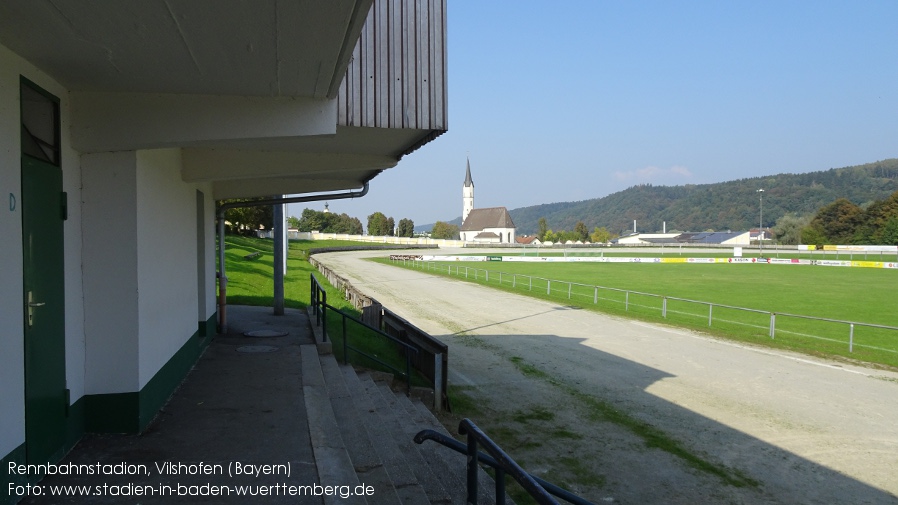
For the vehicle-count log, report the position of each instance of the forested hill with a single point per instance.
(729, 205)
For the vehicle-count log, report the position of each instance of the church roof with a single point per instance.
(493, 217)
(468, 180)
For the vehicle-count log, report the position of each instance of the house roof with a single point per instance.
(524, 240)
(493, 217)
(485, 235)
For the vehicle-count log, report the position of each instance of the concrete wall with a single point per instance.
(166, 259)
(110, 271)
(12, 422)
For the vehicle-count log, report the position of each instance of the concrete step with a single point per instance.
(396, 418)
(365, 460)
(453, 463)
(402, 476)
(331, 458)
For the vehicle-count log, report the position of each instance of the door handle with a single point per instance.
(31, 305)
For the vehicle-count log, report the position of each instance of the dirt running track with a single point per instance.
(784, 427)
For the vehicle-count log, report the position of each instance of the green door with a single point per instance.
(43, 212)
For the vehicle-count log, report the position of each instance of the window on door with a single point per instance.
(40, 125)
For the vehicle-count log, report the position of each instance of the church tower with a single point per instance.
(467, 194)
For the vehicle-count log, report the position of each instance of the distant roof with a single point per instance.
(468, 180)
(524, 240)
(717, 237)
(486, 234)
(493, 217)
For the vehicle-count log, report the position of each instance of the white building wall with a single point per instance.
(166, 259)
(12, 373)
(110, 272)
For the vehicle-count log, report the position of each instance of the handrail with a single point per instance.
(538, 488)
(320, 306)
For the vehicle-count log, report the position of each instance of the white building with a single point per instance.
(121, 124)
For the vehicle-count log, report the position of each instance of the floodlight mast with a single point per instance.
(761, 222)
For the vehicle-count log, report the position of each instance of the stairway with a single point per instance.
(361, 432)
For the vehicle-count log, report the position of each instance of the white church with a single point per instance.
(488, 226)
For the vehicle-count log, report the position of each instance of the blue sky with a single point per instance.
(571, 100)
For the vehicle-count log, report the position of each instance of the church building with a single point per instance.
(491, 225)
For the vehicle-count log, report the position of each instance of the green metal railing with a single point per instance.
(320, 308)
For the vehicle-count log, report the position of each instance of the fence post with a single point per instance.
(851, 338)
(548, 287)
(569, 290)
(595, 296)
(531, 283)
(664, 307)
(487, 272)
(627, 301)
(772, 324)
(710, 312)
(437, 382)
(514, 280)
(500, 278)
(345, 343)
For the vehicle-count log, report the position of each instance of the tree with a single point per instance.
(443, 230)
(789, 227)
(543, 228)
(406, 228)
(549, 236)
(600, 235)
(838, 221)
(378, 224)
(581, 231)
(391, 226)
(355, 226)
(292, 222)
(312, 220)
(889, 233)
(249, 218)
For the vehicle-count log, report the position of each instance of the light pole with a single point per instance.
(761, 222)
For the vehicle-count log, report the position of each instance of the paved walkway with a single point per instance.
(240, 404)
(809, 430)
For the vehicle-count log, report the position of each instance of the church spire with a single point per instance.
(467, 194)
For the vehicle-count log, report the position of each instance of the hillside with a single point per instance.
(729, 205)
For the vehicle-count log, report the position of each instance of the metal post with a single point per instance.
(548, 287)
(627, 301)
(514, 280)
(279, 238)
(345, 343)
(851, 338)
(772, 324)
(472, 470)
(761, 222)
(569, 290)
(710, 312)
(438, 382)
(595, 296)
(531, 283)
(500, 486)
(664, 307)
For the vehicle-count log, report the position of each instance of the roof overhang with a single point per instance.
(248, 89)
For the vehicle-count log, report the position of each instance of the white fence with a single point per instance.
(834, 333)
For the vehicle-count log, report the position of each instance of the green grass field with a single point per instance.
(250, 282)
(863, 295)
